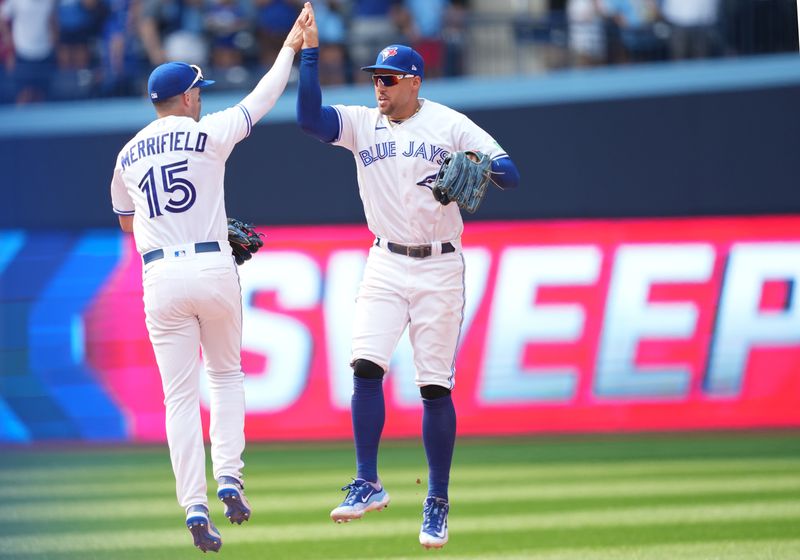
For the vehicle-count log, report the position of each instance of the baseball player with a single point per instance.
(414, 275)
(167, 189)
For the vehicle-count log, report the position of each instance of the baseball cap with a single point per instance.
(398, 58)
(173, 78)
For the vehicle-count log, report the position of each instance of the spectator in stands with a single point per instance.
(693, 25)
(424, 31)
(586, 27)
(80, 23)
(454, 36)
(122, 59)
(636, 22)
(333, 58)
(274, 19)
(759, 26)
(6, 61)
(172, 30)
(228, 27)
(373, 25)
(33, 30)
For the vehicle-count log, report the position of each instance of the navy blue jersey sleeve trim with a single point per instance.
(124, 212)
(247, 118)
(338, 115)
(504, 173)
(316, 120)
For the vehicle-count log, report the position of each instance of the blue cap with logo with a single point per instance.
(398, 58)
(174, 78)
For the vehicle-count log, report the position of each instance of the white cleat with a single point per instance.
(205, 535)
(361, 498)
(433, 533)
(231, 493)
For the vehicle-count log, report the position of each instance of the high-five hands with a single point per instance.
(310, 33)
(296, 36)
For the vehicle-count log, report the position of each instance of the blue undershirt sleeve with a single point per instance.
(316, 120)
(504, 173)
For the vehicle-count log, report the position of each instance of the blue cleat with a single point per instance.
(206, 537)
(231, 492)
(362, 497)
(433, 533)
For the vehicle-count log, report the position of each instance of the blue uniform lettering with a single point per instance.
(200, 145)
(430, 152)
(435, 151)
(379, 151)
(182, 141)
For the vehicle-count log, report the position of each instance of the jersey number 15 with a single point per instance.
(182, 191)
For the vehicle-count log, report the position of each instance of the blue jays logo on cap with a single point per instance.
(387, 52)
(174, 78)
(398, 58)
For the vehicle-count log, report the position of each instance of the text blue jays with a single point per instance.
(383, 150)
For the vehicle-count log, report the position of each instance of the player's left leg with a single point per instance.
(220, 317)
(439, 437)
(436, 313)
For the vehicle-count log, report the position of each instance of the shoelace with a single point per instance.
(434, 517)
(352, 491)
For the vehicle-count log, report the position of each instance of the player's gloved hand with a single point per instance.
(244, 240)
(462, 179)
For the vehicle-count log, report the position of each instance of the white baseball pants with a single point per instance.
(425, 295)
(195, 301)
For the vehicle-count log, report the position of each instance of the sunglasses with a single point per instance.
(389, 80)
(197, 78)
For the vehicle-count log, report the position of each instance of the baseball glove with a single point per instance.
(244, 240)
(462, 179)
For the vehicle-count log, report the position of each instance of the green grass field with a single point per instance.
(700, 496)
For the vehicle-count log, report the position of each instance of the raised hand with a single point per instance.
(295, 37)
(310, 33)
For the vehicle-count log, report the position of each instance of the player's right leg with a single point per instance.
(220, 315)
(380, 317)
(365, 493)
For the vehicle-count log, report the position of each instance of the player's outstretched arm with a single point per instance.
(316, 120)
(263, 97)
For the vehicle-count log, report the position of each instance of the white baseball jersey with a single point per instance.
(170, 176)
(397, 164)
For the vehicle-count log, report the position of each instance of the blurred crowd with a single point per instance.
(619, 31)
(78, 49)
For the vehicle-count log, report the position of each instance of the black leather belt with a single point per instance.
(204, 247)
(416, 251)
